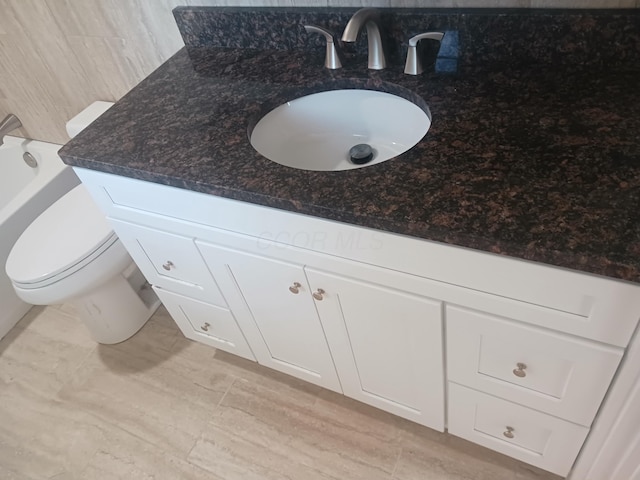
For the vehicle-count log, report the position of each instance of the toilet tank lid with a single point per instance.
(86, 117)
(64, 235)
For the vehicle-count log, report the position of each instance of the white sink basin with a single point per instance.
(317, 132)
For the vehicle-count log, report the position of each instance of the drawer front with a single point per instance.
(206, 323)
(169, 261)
(517, 431)
(557, 374)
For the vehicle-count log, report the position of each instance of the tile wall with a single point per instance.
(57, 56)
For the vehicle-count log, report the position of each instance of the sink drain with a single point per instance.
(361, 154)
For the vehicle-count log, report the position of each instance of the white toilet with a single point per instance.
(71, 254)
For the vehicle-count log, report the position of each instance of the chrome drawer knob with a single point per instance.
(318, 294)
(205, 327)
(520, 371)
(295, 288)
(509, 432)
(168, 266)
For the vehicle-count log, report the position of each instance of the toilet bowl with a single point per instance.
(70, 254)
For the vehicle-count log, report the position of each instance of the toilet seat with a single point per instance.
(68, 236)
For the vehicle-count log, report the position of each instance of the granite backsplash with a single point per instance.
(598, 38)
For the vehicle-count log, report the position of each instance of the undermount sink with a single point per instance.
(319, 131)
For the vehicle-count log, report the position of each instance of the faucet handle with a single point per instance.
(332, 59)
(413, 66)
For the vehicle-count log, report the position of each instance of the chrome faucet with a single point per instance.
(413, 66)
(370, 18)
(332, 57)
(10, 122)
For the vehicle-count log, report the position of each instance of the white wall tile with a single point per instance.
(110, 64)
(35, 34)
(58, 56)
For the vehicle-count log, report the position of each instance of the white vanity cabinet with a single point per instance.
(513, 355)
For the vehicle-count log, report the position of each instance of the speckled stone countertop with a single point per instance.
(540, 162)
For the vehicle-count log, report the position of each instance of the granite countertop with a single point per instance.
(534, 162)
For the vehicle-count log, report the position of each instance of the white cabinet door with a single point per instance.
(387, 345)
(272, 302)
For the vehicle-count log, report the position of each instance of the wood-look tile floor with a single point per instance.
(159, 406)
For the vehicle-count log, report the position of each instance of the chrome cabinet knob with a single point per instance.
(520, 371)
(318, 294)
(205, 327)
(295, 288)
(168, 266)
(509, 432)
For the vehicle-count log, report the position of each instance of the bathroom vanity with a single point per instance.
(486, 282)
(529, 350)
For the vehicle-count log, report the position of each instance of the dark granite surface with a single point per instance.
(516, 36)
(537, 161)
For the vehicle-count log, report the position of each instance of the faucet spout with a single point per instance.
(9, 123)
(370, 19)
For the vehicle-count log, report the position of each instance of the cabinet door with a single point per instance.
(273, 304)
(387, 345)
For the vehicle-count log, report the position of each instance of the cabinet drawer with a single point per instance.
(557, 374)
(169, 261)
(548, 371)
(528, 435)
(206, 323)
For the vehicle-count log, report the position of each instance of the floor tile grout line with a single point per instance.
(395, 467)
(200, 437)
(225, 393)
(215, 409)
